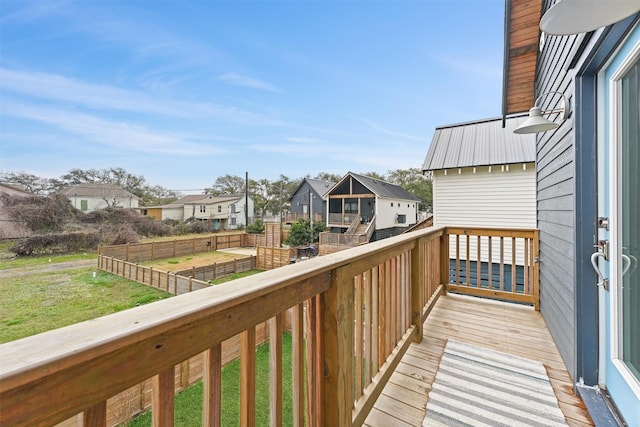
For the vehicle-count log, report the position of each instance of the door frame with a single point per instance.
(611, 82)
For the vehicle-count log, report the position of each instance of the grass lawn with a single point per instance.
(7, 259)
(188, 404)
(234, 276)
(36, 303)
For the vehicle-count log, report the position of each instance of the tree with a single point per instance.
(326, 176)
(228, 184)
(416, 183)
(31, 183)
(374, 175)
(302, 234)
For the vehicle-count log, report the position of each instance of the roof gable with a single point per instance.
(480, 143)
(320, 186)
(378, 187)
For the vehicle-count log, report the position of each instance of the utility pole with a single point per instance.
(246, 199)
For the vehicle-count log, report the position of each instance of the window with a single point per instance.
(232, 221)
(203, 208)
(233, 208)
(351, 206)
(391, 204)
(84, 205)
(401, 219)
(219, 208)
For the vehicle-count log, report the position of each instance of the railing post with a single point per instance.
(212, 387)
(95, 416)
(444, 260)
(338, 333)
(536, 270)
(162, 398)
(417, 286)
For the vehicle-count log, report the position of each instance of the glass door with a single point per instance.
(620, 173)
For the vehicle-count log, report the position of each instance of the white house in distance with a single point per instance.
(90, 197)
(227, 212)
(367, 200)
(483, 174)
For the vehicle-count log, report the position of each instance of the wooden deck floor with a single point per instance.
(510, 328)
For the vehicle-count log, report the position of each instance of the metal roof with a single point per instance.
(480, 143)
(382, 188)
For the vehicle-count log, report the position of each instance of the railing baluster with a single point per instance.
(162, 401)
(490, 263)
(248, 378)
(297, 361)
(479, 262)
(501, 263)
(95, 416)
(358, 336)
(310, 353)
(212, 387)
(367, 323)
(457, 259)
(275, 371)
(375, 321)
(527, 264)
(514, 266)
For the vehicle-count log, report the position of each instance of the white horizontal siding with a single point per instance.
(500, 198)
(486, 199)
(386, 214)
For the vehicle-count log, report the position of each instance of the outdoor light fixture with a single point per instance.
(581, 16)
(536, 123)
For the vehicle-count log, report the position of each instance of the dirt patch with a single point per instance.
(196, 260)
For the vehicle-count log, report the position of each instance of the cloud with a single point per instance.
(246, 81)
(392, 133)
(120, 135)
(60, 89)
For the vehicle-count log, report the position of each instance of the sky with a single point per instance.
(182, 92)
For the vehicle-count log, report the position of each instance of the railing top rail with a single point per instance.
(156, 324)
(492, 231)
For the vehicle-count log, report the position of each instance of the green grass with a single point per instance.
(188, 404)
(7, 263)
(36, 303)
(234, 276)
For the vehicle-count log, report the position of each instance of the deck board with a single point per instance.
(509, 328)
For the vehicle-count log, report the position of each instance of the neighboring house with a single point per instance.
(172, 211)
(588, 195)
(390, 208)
(314, 189)
(483, 174)
(9, 228)
(226, 211)
(92, 196)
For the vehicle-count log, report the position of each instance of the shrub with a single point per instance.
(46, 244)
(256, 227)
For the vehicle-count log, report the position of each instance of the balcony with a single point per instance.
(292, 217)
(368, 329)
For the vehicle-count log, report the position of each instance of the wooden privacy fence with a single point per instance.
(138, 252)
(177, 283)
(269, 258)
(272, 236)
(354, 314)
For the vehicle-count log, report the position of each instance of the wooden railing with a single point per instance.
(371, 228)
(354, 315)
(295, 216)
(496, 263)
(354, 225)
(341, 218)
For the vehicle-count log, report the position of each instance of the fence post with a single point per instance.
(151, 277)
(235, 265)
(153, 250)
(190, 283)
(337, 330)
(417, 286)
(126, 256)
(193, 271)
(444, 260)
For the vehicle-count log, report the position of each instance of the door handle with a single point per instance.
(632, 263)
(602, 281)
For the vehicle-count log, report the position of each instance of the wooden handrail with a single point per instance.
(338, 300)
(354, 225)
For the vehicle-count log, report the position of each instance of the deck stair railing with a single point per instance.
(353, 316)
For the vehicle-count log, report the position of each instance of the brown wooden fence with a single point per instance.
(269, 258)
(139, 252)
(272, 236)
(177, 283)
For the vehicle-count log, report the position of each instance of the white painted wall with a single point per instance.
(95, 203)
(503, 198)
(386, 213)
(486, 199)
(173, 213)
